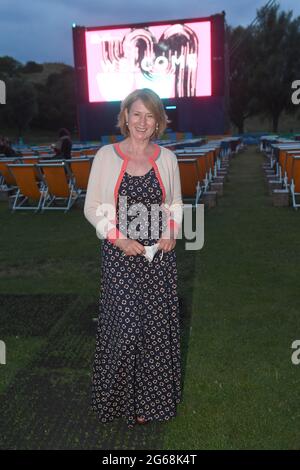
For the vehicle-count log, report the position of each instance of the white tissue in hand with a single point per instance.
(150, 252)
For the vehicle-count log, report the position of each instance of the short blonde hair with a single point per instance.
(152, 102)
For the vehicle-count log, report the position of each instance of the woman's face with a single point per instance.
(141, 121)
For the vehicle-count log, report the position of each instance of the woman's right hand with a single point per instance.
(130, 247)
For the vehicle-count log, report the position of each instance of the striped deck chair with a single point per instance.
(29, 188)
(295, 181)
(190, 179)
(60, 185)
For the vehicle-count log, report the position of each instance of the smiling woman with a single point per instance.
(137, 366)
(142, 118)
(141, 126)
(143, 102)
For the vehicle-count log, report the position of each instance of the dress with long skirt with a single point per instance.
(137, 362)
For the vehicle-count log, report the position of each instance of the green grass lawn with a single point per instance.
(241, 388)
(240, 314)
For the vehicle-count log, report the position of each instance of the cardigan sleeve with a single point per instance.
(101, 215)
(175, 208)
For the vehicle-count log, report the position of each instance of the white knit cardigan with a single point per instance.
(106, 174)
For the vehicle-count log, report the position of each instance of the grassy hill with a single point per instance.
(48, 69)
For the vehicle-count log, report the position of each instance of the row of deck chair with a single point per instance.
(47, 182)
(199, 167)
(39, 186)
(47, 151)
(284, 158)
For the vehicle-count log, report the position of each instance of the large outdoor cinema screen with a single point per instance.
(174, 60)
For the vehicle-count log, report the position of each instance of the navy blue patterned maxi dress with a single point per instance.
(137, 366)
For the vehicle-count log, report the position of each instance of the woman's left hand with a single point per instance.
(166, 244)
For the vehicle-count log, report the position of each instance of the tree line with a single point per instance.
(46, 104)
(264, 60)
(263, 66)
